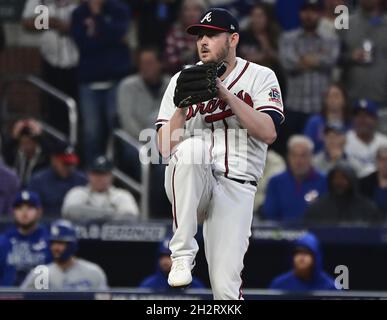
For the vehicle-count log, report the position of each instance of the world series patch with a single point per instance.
(275, 96)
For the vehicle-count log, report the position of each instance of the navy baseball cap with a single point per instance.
(335, 126)
(101, 165)
(217, 19)
(27, 197)
(63, 230)
(164, 247)
(367, 106)
(312, 4)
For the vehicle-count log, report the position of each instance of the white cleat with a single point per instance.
(180, 274)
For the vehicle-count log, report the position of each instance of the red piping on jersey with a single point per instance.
(212, 140)
(225, 123)
(270, 107)
(238, 77)
(226, 145)
(174, 197)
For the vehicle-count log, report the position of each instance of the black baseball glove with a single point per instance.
(196, 84)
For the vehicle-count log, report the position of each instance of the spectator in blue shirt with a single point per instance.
(335, 110)
(307, 273)
(290, 193)
(25, 244)
(99, 28)
(54, 182)
(159, 280)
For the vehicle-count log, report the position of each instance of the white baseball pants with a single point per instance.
(226, 206)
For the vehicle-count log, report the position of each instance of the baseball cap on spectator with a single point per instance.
(27, 197)
(217, 19)
(335, 126)
(367, 106)
(101, 165)
(312, 4)
(66, 153)
(164, 248)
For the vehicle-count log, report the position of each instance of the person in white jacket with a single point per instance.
(99, 200)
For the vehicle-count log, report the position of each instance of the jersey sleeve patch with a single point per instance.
(275, 96)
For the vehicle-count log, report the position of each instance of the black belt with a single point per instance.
(254, 183)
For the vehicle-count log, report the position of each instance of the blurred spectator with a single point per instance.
(374, 185)
(154, 18)
(275, 164)
(290, 193)
(9, 186)
(2, 37)
(24, 150)
(139, 96)
(60, 56)
(335, 109)
(365, 53)
(24, 245)
(144, 89)
(259, 42)
(327, 22)
(307, 273)
(239, 8)
(363, 141)
(308, 59)
(67, 272)
(54, 182)
(343, 203)
(181, 47)
(333, 151)
(99, 200)
(288, 13)
(159, 280)
(99, 28)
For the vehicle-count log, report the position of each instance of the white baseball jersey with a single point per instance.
(236, 156)
(205, 189)
(82, 275)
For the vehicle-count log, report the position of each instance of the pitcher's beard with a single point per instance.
(222, 55)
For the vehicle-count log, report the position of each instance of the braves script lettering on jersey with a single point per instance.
(210, 188)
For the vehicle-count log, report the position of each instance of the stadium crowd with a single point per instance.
(115, 58)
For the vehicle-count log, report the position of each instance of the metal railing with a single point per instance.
(69, 102)
(141, 187)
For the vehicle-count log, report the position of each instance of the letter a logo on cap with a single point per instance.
(207, 17)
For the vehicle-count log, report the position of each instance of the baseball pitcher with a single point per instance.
(215, 123)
